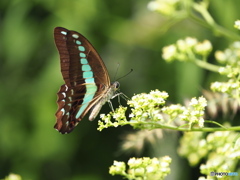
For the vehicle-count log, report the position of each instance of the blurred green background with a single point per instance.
(123, 32)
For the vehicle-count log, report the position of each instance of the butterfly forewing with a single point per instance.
(85, 75)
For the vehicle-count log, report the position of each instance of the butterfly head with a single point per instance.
(115, 85)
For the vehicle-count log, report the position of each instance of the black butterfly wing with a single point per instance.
(85, 75)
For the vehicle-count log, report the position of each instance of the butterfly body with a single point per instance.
(87, 84)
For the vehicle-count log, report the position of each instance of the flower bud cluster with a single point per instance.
(186, 50)
(146, 106)
(142, 168)
(220, 148)
(230, 57)
(224, 152)
(193, 146)
(193, 113)
(165, 7)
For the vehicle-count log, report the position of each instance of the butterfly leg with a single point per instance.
(120, 94)
(110, 105)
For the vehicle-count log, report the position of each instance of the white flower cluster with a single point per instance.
(186, 50)
(193, 146)
(173, 111)
(149, 111)
(118, 115)
(165, 7)
(195, 112)
(231, 87)
(143, 168)
(223, 147)
(147, 105)
(231, 58)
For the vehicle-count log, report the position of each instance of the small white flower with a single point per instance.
(193, 102)
(237, 24)
(169, 52)
(202, 143)
(150, 169)
(166, 7)
(201, 122)
(155, 161)
(115, 124)
(191, 41)
(164, 94)
(115, 116)
(14, 177)
(203, 48)
(236, 44)
(234, 85)
(131, 115)
(216, 85)
(138, 113)
(164, 164)
(182, 46)
(194, 113)
(220, 56)
(203, 101)
(167, 158)
(153, 6)
(222, 70)
(102, 116)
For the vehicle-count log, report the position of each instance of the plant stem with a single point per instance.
(210, 23)
(205, 129)
(206, 65)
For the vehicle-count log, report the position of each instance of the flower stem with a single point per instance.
(206, 65)
(205, 129)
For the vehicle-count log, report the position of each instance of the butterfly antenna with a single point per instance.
(125, 75)
(116, 71)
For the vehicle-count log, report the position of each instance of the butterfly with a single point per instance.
(87, 84)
